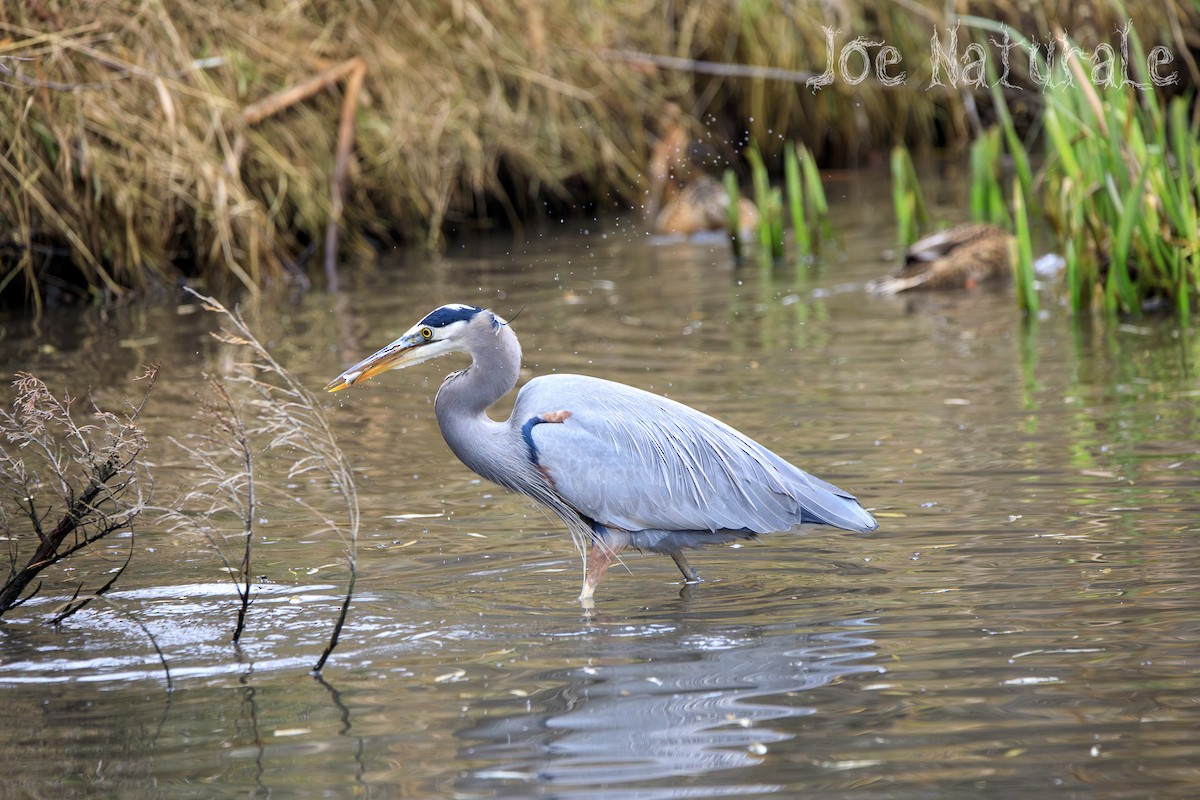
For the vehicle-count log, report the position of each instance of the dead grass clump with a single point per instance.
(122, 146)
(124, 153)
(844, 122)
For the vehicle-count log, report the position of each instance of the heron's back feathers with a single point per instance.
(637, 461)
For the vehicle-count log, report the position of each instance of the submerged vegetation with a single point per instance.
(134, 146)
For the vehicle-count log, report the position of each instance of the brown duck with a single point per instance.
(959, 258)
(703, 205)
(683, 201)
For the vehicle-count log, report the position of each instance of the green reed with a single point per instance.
(733, 193)
(988, 203)
(806, 199)
(1027, 299)
(770, 209)
(1120, 184)
(807, 205)
(907, 199)
(795, 195)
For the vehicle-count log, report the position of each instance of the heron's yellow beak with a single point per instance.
(397, 354)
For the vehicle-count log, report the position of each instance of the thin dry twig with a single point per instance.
(287, 419)
(285, 99)
(353, 71)
(225, 486)
(700, 67)
(341, 165)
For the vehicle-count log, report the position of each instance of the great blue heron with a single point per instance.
(622, 467)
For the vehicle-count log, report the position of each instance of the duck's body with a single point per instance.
(958, 258)
(703, 206)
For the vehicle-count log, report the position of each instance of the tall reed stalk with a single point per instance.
(808, 208)
(806, 199)
(988, 203)
(907, 199)
(1027, 299)
(733, 196)
(770, 209)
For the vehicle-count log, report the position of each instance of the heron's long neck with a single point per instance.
(461, 405)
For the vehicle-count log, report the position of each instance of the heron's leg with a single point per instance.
(604, 551)
(689, 572)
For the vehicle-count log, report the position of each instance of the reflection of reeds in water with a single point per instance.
(688, 706)
(286, 421)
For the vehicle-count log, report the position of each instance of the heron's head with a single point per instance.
(451, 328)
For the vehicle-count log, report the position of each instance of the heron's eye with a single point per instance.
(426, 334)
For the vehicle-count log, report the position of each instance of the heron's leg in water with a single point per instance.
(604, 552)
(689, 572)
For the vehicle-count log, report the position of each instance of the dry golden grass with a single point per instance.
(122, 145)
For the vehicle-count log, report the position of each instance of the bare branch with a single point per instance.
(72, 608)
(94, 474)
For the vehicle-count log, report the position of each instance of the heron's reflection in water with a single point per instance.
(688, 705)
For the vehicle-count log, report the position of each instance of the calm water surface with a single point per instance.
(1026, 622)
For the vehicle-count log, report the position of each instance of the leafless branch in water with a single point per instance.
(162, 657)
(64, 486)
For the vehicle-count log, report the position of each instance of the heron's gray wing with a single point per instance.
(637, 461)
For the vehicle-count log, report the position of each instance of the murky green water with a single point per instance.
(1026, 622)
